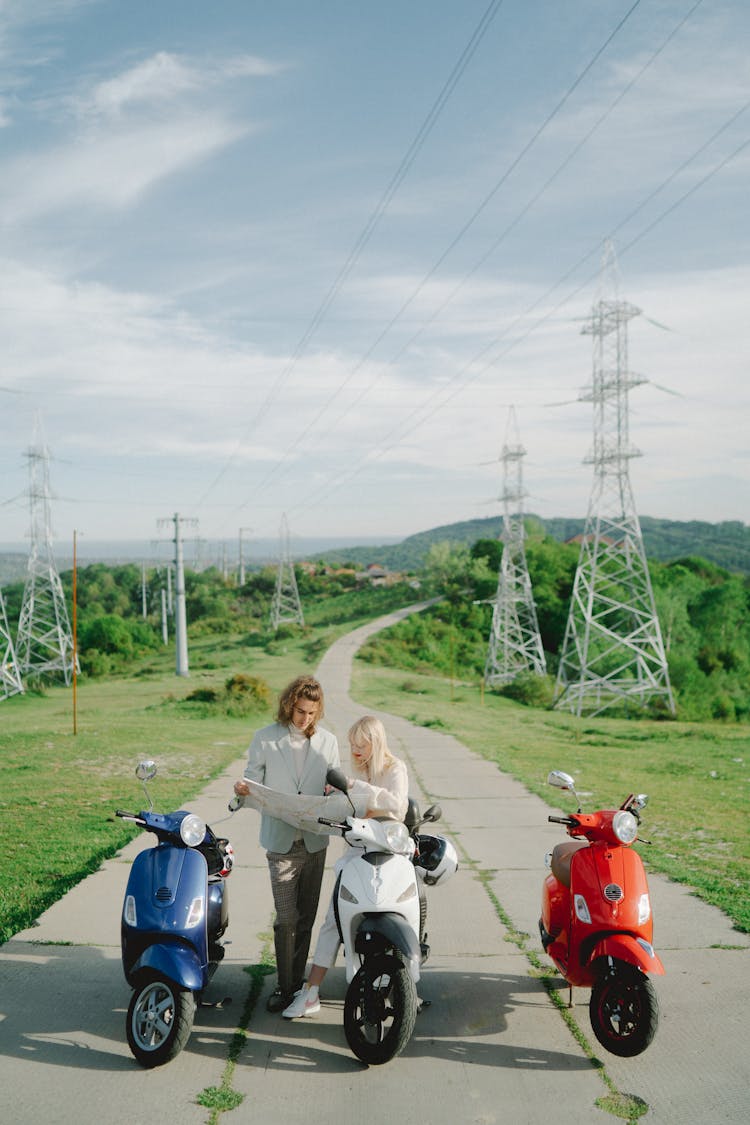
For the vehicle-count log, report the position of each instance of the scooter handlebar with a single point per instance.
(342, 826)
(567, 820)
(129, 816)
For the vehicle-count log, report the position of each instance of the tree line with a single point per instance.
(703, 609)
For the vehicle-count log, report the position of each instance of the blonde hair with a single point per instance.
(304, 687)
(369, 731)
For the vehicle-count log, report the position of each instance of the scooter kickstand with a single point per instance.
(570, 995)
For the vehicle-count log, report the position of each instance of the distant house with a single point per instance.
(377, 575)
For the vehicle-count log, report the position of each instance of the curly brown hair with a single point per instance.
(304, 687)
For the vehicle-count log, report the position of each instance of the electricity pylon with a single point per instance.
(286, 607)
(612, 653)
(10, 678)
(44, 642)
(515, 642)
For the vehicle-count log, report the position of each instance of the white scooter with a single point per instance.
(377, 907)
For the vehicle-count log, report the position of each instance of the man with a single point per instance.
(292, 755)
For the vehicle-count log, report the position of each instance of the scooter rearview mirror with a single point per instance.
(337, 779)
(433, 813)
(561, 780)
(146, 771)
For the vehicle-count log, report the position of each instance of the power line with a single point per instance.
(271, 472)
(369, 229)
(527, 206)
(402, 432)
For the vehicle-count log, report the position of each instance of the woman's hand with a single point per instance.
(241, 788)
(328, 789)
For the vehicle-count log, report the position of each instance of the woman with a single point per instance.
(380, 782)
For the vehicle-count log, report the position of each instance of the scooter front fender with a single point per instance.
(389, 929)
(174, 960)
(626, 947)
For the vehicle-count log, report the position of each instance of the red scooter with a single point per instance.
(596, 921)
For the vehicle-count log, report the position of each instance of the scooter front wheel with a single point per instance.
(159, 1021)
(380, 1010)
(624, 1010)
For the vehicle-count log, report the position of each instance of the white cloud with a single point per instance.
(113, 169)
(165, 77)
(142, 125)
(161, 77)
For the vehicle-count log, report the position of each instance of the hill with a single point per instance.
(727, 544)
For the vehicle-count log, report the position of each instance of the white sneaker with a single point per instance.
(302, 1005)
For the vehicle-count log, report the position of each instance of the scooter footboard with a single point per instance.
(172, 960)
(380, 932)
(626, 947)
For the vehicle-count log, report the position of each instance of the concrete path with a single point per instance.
(491, 1047)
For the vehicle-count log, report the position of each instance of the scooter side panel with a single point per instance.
(218, 909)
(555, 906)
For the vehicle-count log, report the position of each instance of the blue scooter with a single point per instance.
(174, 916)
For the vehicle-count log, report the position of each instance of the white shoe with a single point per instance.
(302, 1005)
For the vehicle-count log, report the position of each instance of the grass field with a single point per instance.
(58, 790)
(697, 775)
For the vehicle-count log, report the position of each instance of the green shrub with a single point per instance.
(95, 663)
(531, 689)
(209, 626)
(202, 695)
(251, 690)
(723, 707)
(241, 695)
(411, 687)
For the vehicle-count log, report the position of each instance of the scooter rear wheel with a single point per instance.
(159, 1021)
(380, 1010)
(624, 1010)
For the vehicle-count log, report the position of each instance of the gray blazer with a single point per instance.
(270, 761)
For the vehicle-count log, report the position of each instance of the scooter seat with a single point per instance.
(562, 854)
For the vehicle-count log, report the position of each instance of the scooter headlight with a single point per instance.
(397, 836)
(193, 831)
(624, 826)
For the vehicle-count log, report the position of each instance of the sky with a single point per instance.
(300, 264)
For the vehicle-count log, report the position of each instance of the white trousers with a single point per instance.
(328, 939)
